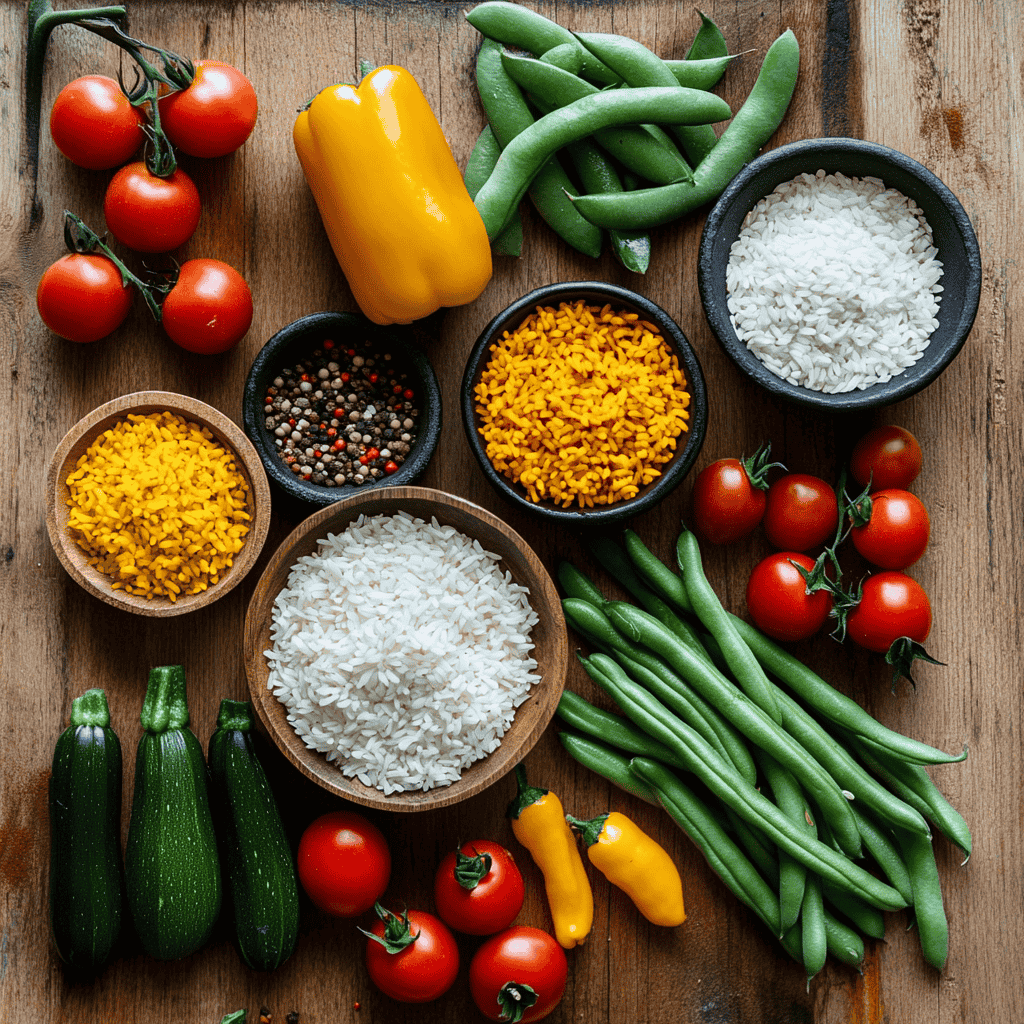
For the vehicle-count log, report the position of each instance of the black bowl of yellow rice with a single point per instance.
(584, 403)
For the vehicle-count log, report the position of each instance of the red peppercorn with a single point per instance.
(338, 445)
(351, 352)
(339, 414)
(291, 423)
(328, 344)
(373, 454)
(408, 394)
(363, 460)
(397, 389)
(373, 378)
(390, 467)
(304, 377)
(346, 377)
(331, 432)
(317, 454)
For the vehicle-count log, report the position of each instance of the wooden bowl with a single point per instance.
(74, 445)
(549, 636)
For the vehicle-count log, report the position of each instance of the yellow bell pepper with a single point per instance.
(392, 199)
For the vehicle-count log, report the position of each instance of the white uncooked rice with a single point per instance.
(833, 282)
(401, 651)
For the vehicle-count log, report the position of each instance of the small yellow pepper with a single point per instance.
(629, 858)
(392, 199)
(538, 822)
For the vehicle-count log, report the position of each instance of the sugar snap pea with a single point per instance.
(523, 157)
(478, 169)
(708, 42)
(700, 74)
(567, 56)
(607, 763)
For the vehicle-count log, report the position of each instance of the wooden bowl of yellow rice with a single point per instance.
(157, 503)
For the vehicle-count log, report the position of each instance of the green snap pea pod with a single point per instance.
(932, 926)
(813, 933)
(520, 26)
(611, 730)
(523, 157)
(879, 843)
(745, 715)
(578, 584)
(754, 124)
(478, 169)
(727, 785)
(549, 187)
(644, 149)
(865, 919)
(709, 42)
(656, 574)
(700, 74)
(567, 56)
(607, 763)
(639, 67)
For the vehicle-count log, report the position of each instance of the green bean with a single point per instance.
(644, 149)
(478, 169)
(754, 124)
(700, 74)
(865, 919)
(566, 57)
(813, 932)
(639, 67)
(607, 763)
(878, 842)
(577, 584)
(708, 43)
(727, 785)
(843, 942)
(523, 157)
(658, 576)
(929, 913)
(761, 852)
(549, 187)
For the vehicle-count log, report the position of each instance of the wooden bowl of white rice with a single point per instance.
(405, 648)
(839, 274)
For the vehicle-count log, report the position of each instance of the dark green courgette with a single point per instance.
(172, 872)
(86, 879)
(258, 863)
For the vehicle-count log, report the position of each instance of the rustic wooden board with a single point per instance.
(942, 83)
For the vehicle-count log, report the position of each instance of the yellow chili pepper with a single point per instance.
(538, 822)
(629, 858)
(392, 199)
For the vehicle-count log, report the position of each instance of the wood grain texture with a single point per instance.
(942, 82)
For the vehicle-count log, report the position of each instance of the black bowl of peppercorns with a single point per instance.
(335, 403)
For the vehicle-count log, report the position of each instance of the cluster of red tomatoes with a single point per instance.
(205, 305)
(344, 866)
(790, 595)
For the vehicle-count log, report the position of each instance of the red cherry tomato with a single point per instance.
(209, 309)
(887, 457)
(151, 214)
(94, 125)
(343, 863)
(520, 962)
(896, 535)
(82, 298)
(726, 504)
(421, 971)
(801, 513)
(892, 605)
(778, 601)
(478, 889)
(214, 115)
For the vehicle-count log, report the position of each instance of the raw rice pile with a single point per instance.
(833, 282)
(401, 651)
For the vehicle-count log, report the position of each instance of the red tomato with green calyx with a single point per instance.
(478, 890)
(214, 115)
(886, 457)
(82, 297)
(93, 124)
(778, 598)
(801, 513)
(411, 957)
(522, 971)
(343, 863)
(151, 214)
(891, 606)
(729, 497)
(209, 309)
(896, 532)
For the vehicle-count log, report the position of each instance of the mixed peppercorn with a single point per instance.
(342, 416)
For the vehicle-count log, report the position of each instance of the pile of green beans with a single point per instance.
(600, 100)
(816, 816)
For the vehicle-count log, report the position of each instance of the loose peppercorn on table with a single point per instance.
(903, 75)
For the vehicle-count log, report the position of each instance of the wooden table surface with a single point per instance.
(941, 82)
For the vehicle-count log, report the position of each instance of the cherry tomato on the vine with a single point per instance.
(896, 534)
(425, 960)
(778, 600)
(887, 457)
(94, 125)
(517, 967)
(729, 498)
(209, 309)
(801, 512)
(82, 297)
(343, 863)
(151, 214)
(214, 115)
(892, 605)
(478, 889)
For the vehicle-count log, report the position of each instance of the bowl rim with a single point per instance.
(681, 463)
(902, 385)
(265, 365)
(287, 740)
(226, 431)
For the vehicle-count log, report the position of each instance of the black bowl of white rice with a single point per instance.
(839, 274)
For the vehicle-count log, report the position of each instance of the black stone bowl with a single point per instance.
(595, 293)
(293, 343)
(953, 236)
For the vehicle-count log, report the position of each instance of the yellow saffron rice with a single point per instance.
(582, 405)
(159, 506)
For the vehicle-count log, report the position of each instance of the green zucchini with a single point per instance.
(86, 876)
(172, 873)
(258, 863)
